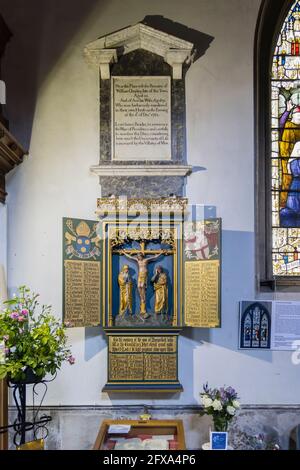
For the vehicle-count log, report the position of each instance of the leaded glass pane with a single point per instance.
(285, 147)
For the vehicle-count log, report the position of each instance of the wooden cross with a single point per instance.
(144, 251)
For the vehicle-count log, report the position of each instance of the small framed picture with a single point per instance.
(255, 325)
(218, 440)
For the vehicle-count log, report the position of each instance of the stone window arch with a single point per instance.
(277, 141)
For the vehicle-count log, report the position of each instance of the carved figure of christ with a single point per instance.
(142, 263)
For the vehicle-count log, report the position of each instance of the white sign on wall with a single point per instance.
(286, 325)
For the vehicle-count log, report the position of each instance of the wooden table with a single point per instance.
(151, 427)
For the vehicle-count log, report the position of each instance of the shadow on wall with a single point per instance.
(95, 341)
(201, 40)
(41, 32)
(238, 283)
(32, 52)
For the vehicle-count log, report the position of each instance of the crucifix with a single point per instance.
(139, 257)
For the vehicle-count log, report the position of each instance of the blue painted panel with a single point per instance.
(118, 261)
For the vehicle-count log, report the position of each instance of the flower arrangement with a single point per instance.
(33, 338)
(221, 404)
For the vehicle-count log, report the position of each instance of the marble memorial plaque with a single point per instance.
(141, 118)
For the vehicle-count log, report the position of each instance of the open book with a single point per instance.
(143, 444)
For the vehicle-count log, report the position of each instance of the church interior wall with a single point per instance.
(3, 236)
(59, 122)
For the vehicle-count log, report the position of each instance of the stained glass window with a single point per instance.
(285, 148)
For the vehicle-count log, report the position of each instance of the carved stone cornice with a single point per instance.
(176, 58)
(102, 58)
(174, 50)
(114, 204)
(11, 155)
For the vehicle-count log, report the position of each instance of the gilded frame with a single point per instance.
(177, 225)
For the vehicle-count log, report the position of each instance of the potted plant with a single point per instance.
(35, 342)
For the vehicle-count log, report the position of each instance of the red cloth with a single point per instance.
(144, 436)
(173, 445)
(110, 445)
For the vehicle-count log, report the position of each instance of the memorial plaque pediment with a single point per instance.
(140, 36)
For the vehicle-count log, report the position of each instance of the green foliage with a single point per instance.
(33, 337)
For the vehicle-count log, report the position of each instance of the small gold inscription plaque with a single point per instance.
(160, 366)
(142, 358)
(202, 293)
(126, 367)
(134, 344)
(82, 292)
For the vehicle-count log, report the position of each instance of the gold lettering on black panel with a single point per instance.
(134, 344)
(202, 293)
(126, 367)
(142, 358)
(160, 366)
(82, 292)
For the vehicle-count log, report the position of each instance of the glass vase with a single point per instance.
(220, 424)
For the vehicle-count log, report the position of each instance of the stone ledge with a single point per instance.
(165, 408)
(141, 170)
